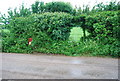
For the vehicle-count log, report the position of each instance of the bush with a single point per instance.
(106, 30)
(70, 48)
(112, 50)
(56, 25)
(21, 29)
(107, 18)
(58, 7)
(50, 32)
(42, 28)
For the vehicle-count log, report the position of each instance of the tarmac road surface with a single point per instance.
(30, 66)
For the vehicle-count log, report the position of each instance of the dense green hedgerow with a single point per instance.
(21, 29)
(104, 28)
(56, 25)
(107, 18)
(43, 28)
(88, 48)
(47, 28)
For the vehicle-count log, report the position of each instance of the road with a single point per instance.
(29, 66)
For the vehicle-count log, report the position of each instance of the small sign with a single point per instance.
(29, 41)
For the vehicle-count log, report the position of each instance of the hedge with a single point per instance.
(43, 28)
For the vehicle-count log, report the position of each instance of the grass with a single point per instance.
(76, 34)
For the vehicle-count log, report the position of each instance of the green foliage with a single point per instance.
(80, 21)
(86, 9)
(38, 7)
(56, 25)
(22, 12)
(23, 28)
(100, 31)
(99, 7)
(50, 29)
(117, 29)
(4, 32)
(12, 13)
(88, 48)
(41, 28)
(112, 50)
(69, 48)
(58, 7)
(112, 6)
(108, 18)
(104, 27)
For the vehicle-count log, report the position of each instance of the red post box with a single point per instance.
(29, 41)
